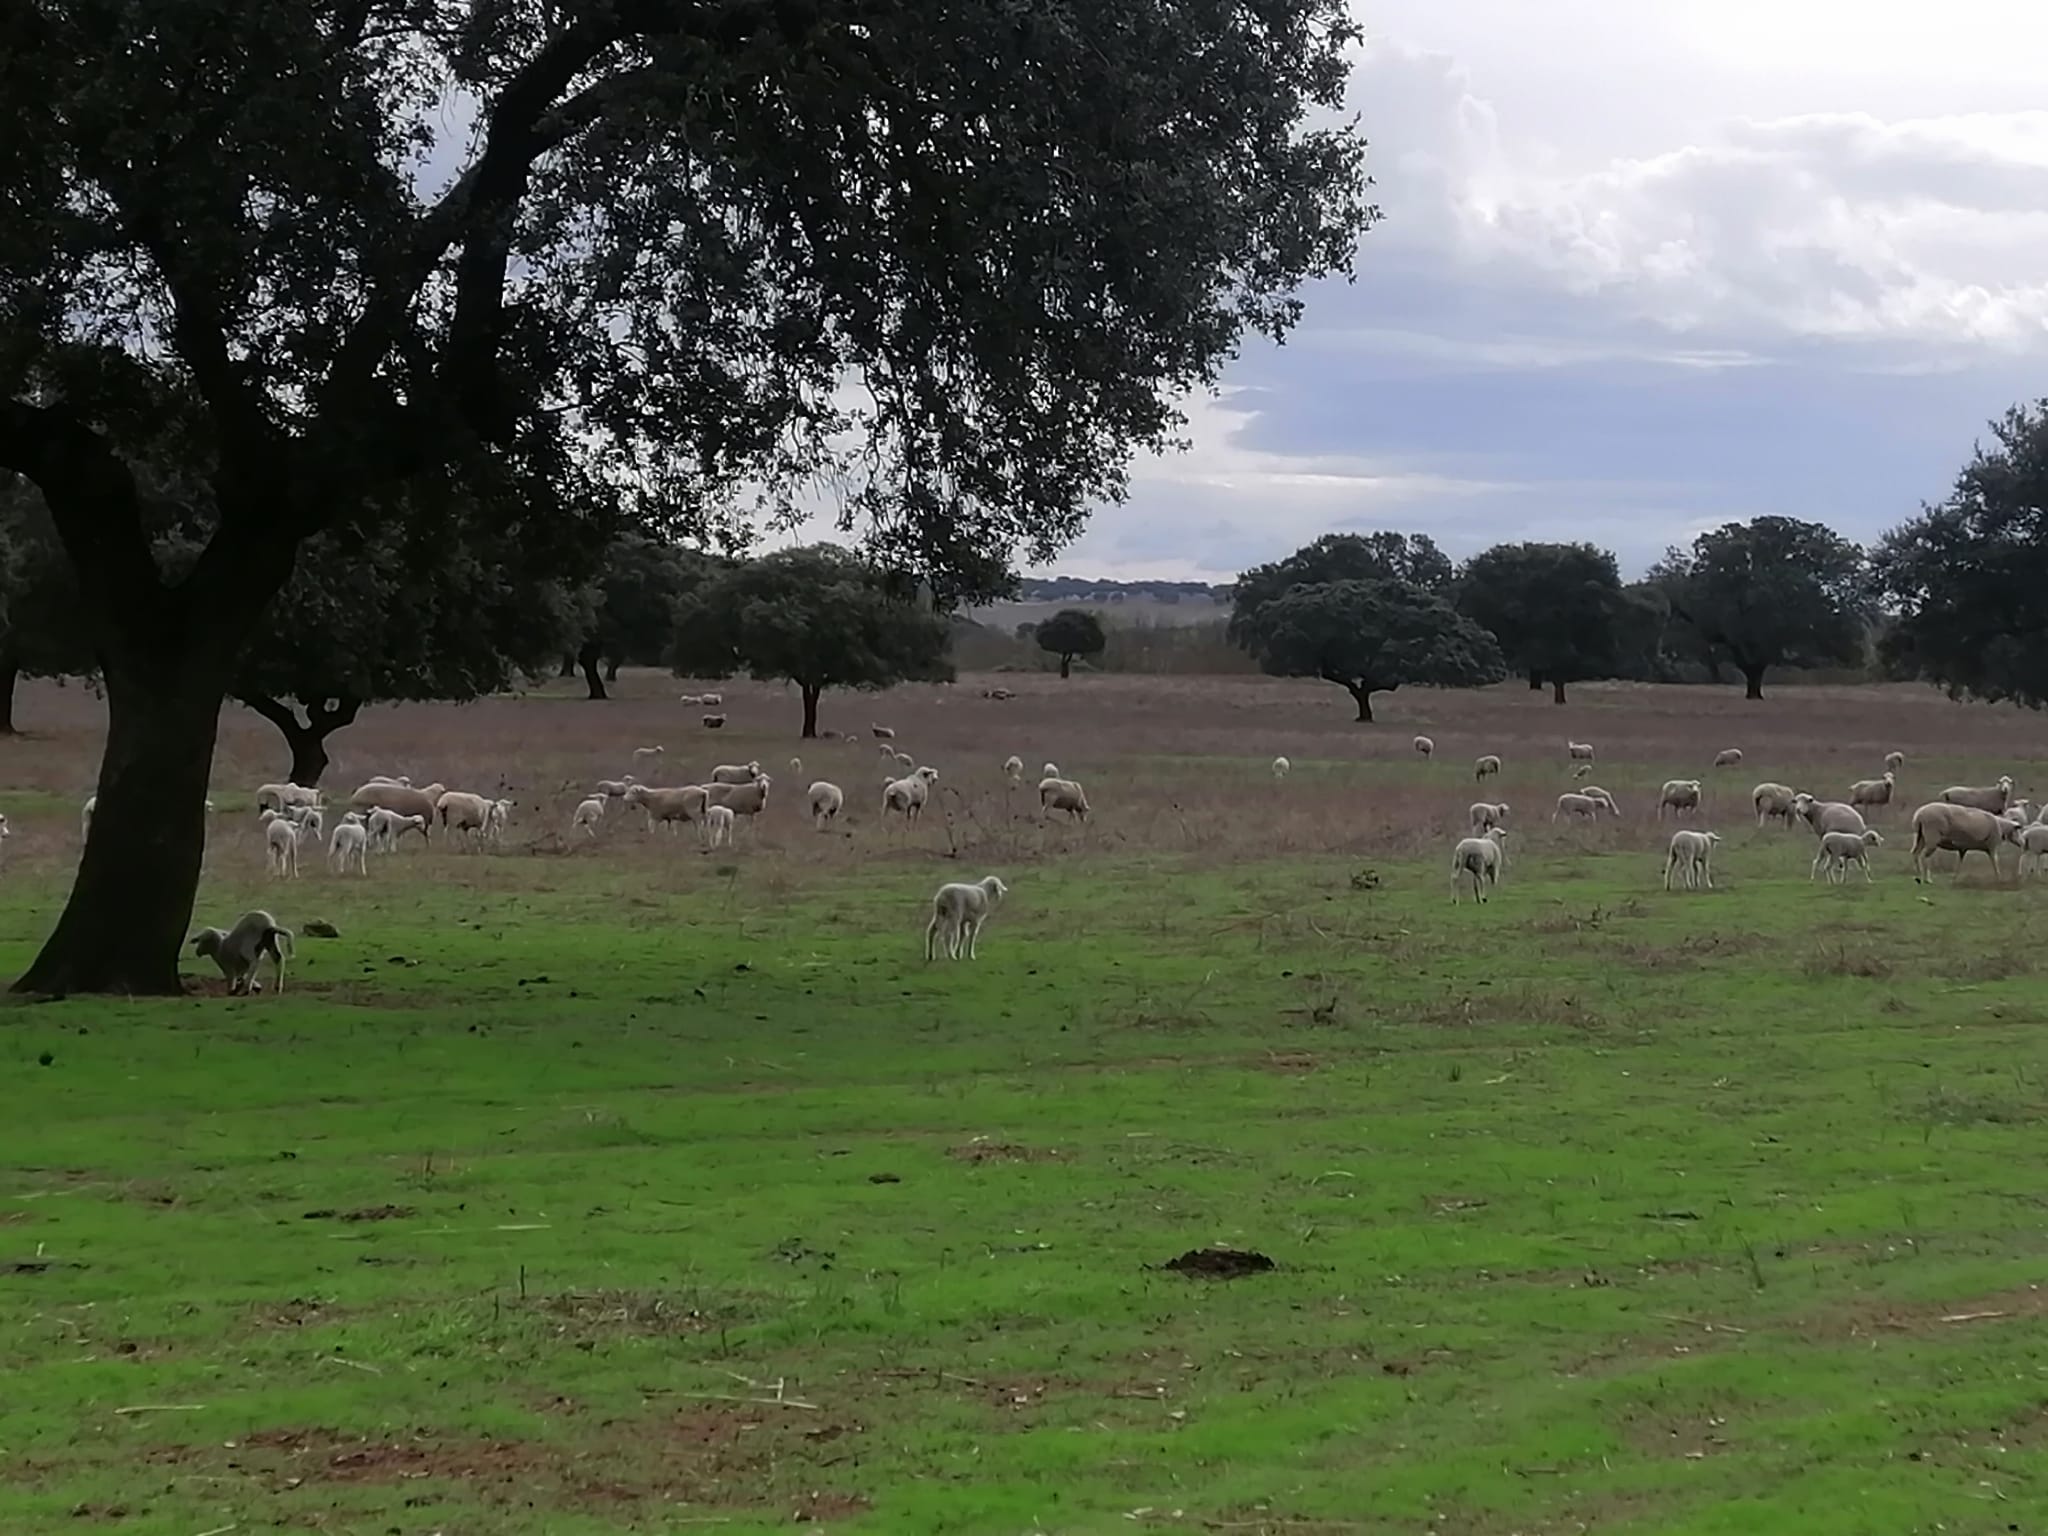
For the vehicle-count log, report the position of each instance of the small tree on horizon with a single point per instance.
(1556, 609)
(819, 617)
(1412, 558)
(1069, 633)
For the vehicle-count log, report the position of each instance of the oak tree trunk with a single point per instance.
(10, 674)
(587, 659)
(1753, 682)
(1066, 666)
(1363, 695)
(810, 693)
(611, 670)
(1556, 691)
(1535, 682)
(568, 666)
(308, 741)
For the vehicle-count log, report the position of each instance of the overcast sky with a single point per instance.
(1644, 268)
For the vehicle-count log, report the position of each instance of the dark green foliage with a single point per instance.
(1966, 582)
(41, 634)
(1069, 633)
(1412, 558)
(819, 617)
(1556, 609)
(1772, 592)
(1368, 637)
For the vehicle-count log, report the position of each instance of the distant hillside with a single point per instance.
(1082, 589)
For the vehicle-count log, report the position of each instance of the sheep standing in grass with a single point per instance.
(1050, 771)
(351, 841)
(281, 847)
(240, 949)
(275, 797)
(1579, 751)
(882, 732)
(1424, 747)
(1838, 850)
(713, 699)
(1486, 815)
(1281, 767)
(1680, 797)
(1995, 798)
(424, 803)
(387, 827)
(1057, 794)
(1773, 802)
(712, 722)
(460, 811)
(1896, 761)
(749, 799)
(1729, 758)
(1485, 767)
(588, 815)
(1013, 769)
(1577, 807)
(958, 911)
(668, 806)
(827, 800)
(907, 796)
(613, 789)
(2033, 844)
(796, 767)
(497, 820)
(736, 773)
(1825, 816)
(1959, 829)
(1595, 792)
(718, 825)
(1691, 858)
(1873, 792)
(1479, 860)
(648, 757)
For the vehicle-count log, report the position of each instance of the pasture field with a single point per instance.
(619, 1187)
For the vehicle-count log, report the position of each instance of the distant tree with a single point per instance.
(1069, 633)
(631, 607)
(41, 634)
(1640, 633)
(1556, 609)
(1370, 637)
(1407, 557)
(1965, 584)
(819, 617)
(1772, 592)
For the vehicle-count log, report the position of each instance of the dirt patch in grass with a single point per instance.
(363, 1213)
(1286, 1063)
(1876, 1318)
(1690, 1437)
(639, 1314)
(979, 1151)
(1220, 1263)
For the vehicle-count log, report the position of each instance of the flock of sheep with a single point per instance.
(1966, 819)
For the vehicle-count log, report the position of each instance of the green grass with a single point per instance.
(1596, 1209)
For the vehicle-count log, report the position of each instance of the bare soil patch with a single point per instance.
(1220, 1263)
(978, 1151)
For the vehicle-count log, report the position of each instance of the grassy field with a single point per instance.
(581, 1189)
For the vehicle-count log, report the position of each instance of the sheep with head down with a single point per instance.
(1773, 802)
(827, 800)
(1056, 794)
(1479, 862)
(1485, 815)
(1424, 747)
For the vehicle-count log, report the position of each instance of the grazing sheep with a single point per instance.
(240, 949)
(1580, 807)
(958, 911)
(827, 800)
(1825, 816)
(1013, 768)
(1679, 797)
(460, 811)
(1583, 771)
(497, 819)
(384, 778)
(1049, 771)
(1873, 791)
(588, 815)
(648, 756)
(1959, 829)
(424, 803)
(1424, 747)
(749, 799)
(1281, 767)
(713, 722)
(1595, 792)
(1896, 761)
(387, 827)
(613, 789)
(736, 773)
(713, 699)
(1486, 815)
(1479, 860)
(1485, 768)
(1057, 794)
(882, 732)
(669, 806)
(718, 825)
(350, 841)
(1995, 799)
(796, 767)
(1730, 757)
(281, 847)
(2019, 811)
(309, 821)
(1773, 802)
(275, 797)
(903, 761)
(1579, 751)
(1838, 850)
(693, 700)
(2033, 843)
(1691, 856)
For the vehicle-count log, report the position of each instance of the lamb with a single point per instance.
(281, 847)
(1424, 747)
(669, 806)
(1691, 856)
(387, 827)
(613, 789)
(958, 911)
(1049, 771)
(718, 825)
(1281, 767)
(1994, 799)
(497, 819)
(1058, 794)
(1679, 797)
(350, 841)
(796, 767)
(907, 796)
(1579, 751)
(1485, 768)
(240, 949)
(1479, 860)
(1595, 792)
(1773, 801)
(643, 756)
(308, 820)
(691, 699)
(1486, 815)
(736, 773)
(713, 722)
(827, 800)
(742, 799)
(1013, 768)
(424, 803)
(1582, 807)
(1873, 791)
(882, 732)
(902, 761)
(461, 811)
(1896, 761)
(1961, 830)
(2033, 843)
(1825, 816)
(588, 815)
(712, 699)
(275, 797)
(1583, 771)
(1729, 758)
(1838, 850)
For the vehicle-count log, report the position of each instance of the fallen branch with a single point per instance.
(164, 1408)
(1973, 1317)
(766, 1402)
(1672, 1317)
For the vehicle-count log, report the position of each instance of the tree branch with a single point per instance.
(276, 711)
(93, 502)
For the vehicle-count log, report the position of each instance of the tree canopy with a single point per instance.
(1966, 582)
(670, 260)
(1069, 633)
(40, 631)
(1556, 609)
(1407, 557)
(1771, 592)
(1370, 637)
(630, 615)
(820, 617)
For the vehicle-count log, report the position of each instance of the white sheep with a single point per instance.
(826, 801)
(1576, 806)
(718, 825)
(1595, 792)
(669, 806)
(281, 847)
(741, 799)
(712, 699)
(648, 757)
(1773, 801)
(1057, 794)
(1485, 767)
(386, 827)
(1281, 767)
(350, 841)
(1691, 857)
(1049, 771)
(1424, 747)
(1579, 751)
(401, 782)
(1896, 761)
(1479, 860)
(588, 816)
(1730, 757)
(1961, 830)
(271, 797)
(1013, 768)
(613, 789)
(2033, 844)
(460, 811)
(308, 820)
(796, 767)
(1873, 791)
(958, 911)
(1679, 796)
(1995, 799)
(1824, 816)
(691, 699)
(907, 796)
(736, 773)
(712, 722)
(497, 819)
(882, 732)
(240, 949)
(1486, 815)
(1838, 850)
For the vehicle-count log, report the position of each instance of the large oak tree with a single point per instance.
(1556, 609)
(962, 256)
